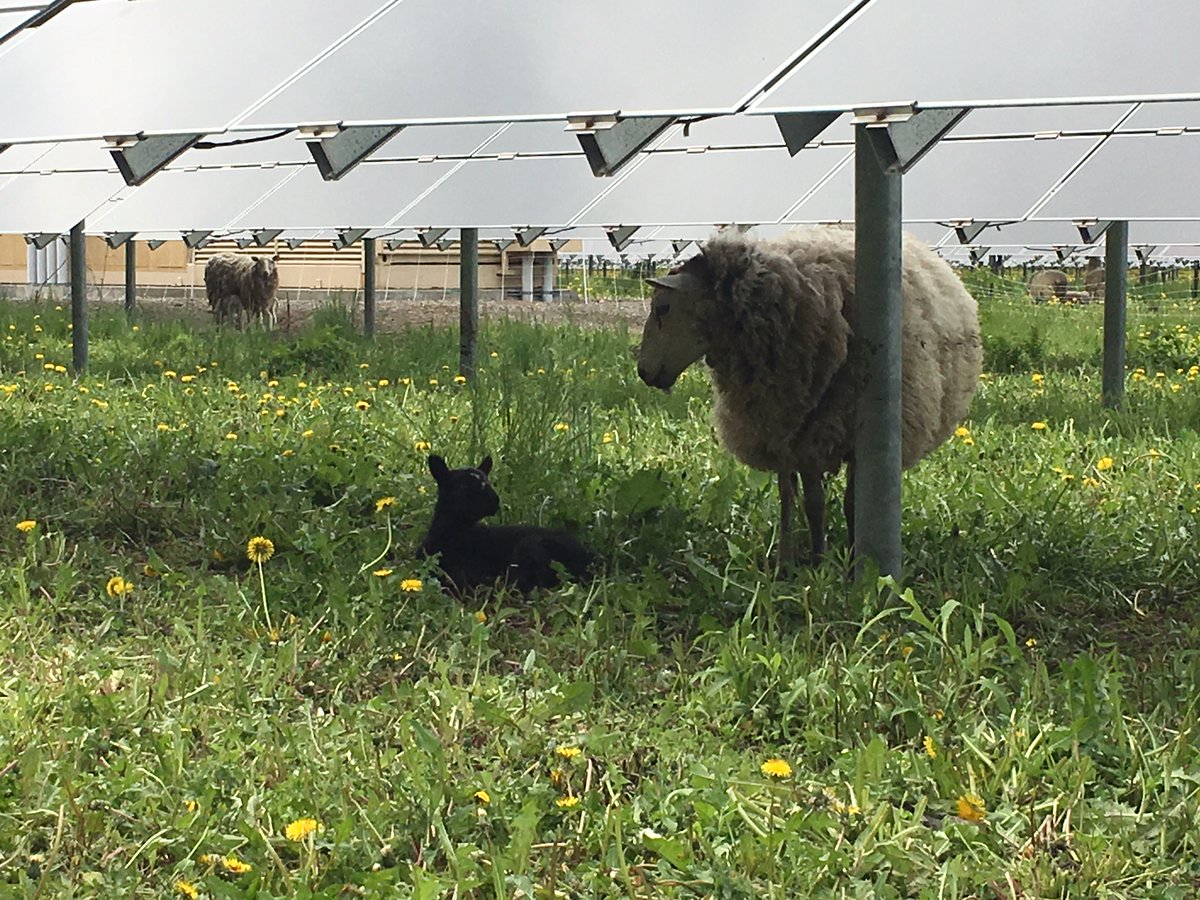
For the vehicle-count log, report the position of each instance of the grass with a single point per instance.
(1017, 720)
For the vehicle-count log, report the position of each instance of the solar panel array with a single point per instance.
(502, 159)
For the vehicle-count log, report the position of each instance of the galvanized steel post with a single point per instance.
(877, 328)
(1116, 273)
(79, 322)
(368, 249)
(130, 277)
(468, 300)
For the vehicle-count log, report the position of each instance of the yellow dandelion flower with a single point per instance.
(406, 381)
(939, 714)
(362, 405)
(454, 420)
(561, 426)
(433, 382)
(962, 431)
(968, 441)
(187, 379)
(1031, 642)
(480, 616)
(383, 503)
(187, 889)
(558, 777)
(231, 436)
(1038, 426)
(117, 587)
(483, 797)
(208, 859)
(259, 549)
(163, 426)
(421, 446)
(288, 453)
(568, 752)
(1105, 463)
(300, 829)
(906, 651)
(410, 585)
(607, 438)
(170, 373)
(307, 433)
(930, 747)
(382, 573)
(568, 802)
(460, 379)
(191, 805)
(1037, 378)
(314, 403)
(776, 768)
(970, 807)
(235, 866)
(326, 637)
(26, 525)
(1090, 482)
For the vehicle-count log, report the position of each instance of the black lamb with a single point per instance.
(471, 554)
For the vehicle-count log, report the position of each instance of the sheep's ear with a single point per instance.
(486, 466)
(438, 469)
(674, 282)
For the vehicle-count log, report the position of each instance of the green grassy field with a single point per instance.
(1019, 720)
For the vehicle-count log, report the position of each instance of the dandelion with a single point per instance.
(300, 829)
(906, 651)
(235, 866)
(410, 585)
(26, 525)
(362, 405)
(480, 616)
(1090, 482)
(421, 446)
(433, 382)
(383, 503)
(970, 807)
(483, 797)
(208, 859)
(561, 426)
(567, 752)
(326, 637)
(558, 777)
(118, 587)
(968, 441)
(930, 747)
(1039, 426)
(1037, 378)
(962, 432)
(382, 573)
(1031, 642)
(187, 889)
(259, 549)
(231, 436)
(607, 438)
(1105, 463)
(307, 434)
(939, 714)
(170, 373)
(776, 768)
(406, 381)
(187, 379)
(460, 379)
(568, 802)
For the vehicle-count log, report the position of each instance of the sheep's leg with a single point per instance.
(814, 511)
(787, 500)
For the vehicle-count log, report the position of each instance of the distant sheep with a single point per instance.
(1048, 284)
(242, 288)
(773, 321)
(1094, 279)
(473, 555)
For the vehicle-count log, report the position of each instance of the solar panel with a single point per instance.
(737, 186)
(184, 65)
(10, 20)
(1133, 177)
(1165, 115)
(203, 200)
(546, 59)
(1020, 52)
(53, 203)
(988, 180)
(369, 198)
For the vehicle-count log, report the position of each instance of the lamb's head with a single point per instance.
(674, 337)
(465, 494)
(264, 274)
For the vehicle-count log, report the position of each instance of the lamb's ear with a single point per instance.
(486, 466)
(691, 276)
(438, 469)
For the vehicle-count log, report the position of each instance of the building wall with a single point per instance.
(313, 265)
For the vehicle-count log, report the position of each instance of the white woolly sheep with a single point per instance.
(1048, 283)
(242, 288)
(773, 321)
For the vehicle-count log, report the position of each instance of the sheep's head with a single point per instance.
(673, 338)
(465, 494)
(264, 274)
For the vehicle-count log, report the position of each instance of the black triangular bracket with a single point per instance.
(347, 237)
(802, 128)
(620, 235)
(610, 141)
(139, 157)
(196, 239)
(430, 236)
(264, 236)
(41, 240)
(1091, 230)
(967, 232)
(337, 149)
(901, 136)
(116, 239)
(527, 234)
